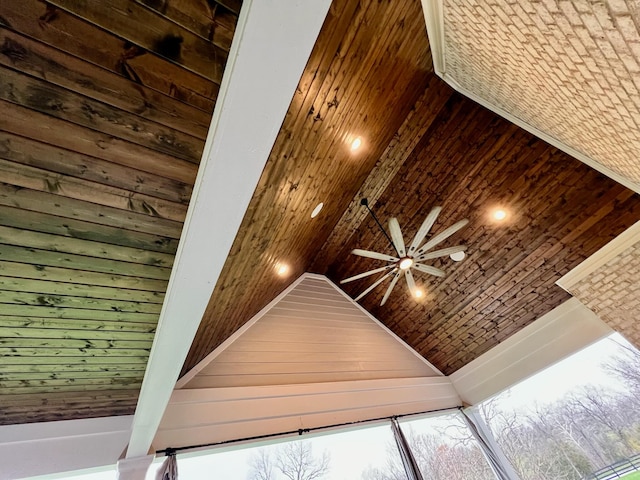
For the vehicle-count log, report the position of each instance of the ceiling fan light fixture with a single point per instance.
(405, 263)
(458, 256)
(407, 259)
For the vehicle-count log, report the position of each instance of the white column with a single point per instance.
(134, 468)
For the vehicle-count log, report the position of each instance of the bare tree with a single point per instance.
(626, 366)
(261, 466)
(293, 461)
(447, 453)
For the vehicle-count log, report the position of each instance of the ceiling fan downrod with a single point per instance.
(365, 203)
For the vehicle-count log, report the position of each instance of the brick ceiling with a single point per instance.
(569, 68)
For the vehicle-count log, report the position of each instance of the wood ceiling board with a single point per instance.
(72, 164)
(47, 63)
(348, 88)
(99, 146)
(469, 161)
(153, 32)
(48, 98)
(44, 128)
(69, 33)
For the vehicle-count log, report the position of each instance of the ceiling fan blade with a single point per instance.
(411, 283)
(366, 274)
(396, 236)
(424, 228)
(429, 269)
(376, 255)
(391, 285)
(441, 253)
(442, 236)
(375, 284)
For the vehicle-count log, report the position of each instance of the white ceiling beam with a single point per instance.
(271, 46)
(553, 337)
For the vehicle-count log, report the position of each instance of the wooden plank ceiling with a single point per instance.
(105, 108)
(370, 76)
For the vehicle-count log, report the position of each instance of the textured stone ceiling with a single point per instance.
(568, 68)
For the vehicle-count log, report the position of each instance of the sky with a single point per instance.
(354, 450)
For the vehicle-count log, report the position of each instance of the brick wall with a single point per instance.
(613, 292)
(569, 68)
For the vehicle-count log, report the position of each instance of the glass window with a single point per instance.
(336, 455)
(578, 417)
(445, 449)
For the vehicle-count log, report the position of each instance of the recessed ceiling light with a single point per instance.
(499, 214)
(316, 210)
(458, 256)
(282, 269)
(418, 293)
(356, 144)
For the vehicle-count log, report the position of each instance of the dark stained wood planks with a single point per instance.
(48, 98)
(143, 26)
(69, 33)
(213, 21)
(347, 89)
(105, 109)
(44, 62)
(562, 212)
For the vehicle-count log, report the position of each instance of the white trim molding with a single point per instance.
(434, 18)
(214, 415)
(611, 250)
(553, 337)
(45, 448)
(246, 121)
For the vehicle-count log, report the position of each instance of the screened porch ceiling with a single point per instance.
(101, 141)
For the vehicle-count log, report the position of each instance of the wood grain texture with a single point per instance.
(561, 212)
(423, 145)
(155, 33)
(348, 88)
(105, 108)
(44, 62)
(110, 51)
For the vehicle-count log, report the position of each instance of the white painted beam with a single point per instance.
(553, 337)
(212, 415)
(272, 43)
(32, 449)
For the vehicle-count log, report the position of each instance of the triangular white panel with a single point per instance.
(313, 333)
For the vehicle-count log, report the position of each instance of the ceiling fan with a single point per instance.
(408, 258)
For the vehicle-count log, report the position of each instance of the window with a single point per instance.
(575, 418)
(445, 449)
(331, 456)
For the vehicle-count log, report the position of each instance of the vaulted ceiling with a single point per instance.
(103, 124)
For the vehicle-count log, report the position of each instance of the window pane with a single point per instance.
(333, 456)
(445, 449)
(575, 418)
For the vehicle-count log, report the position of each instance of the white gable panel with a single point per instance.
(312, 334)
